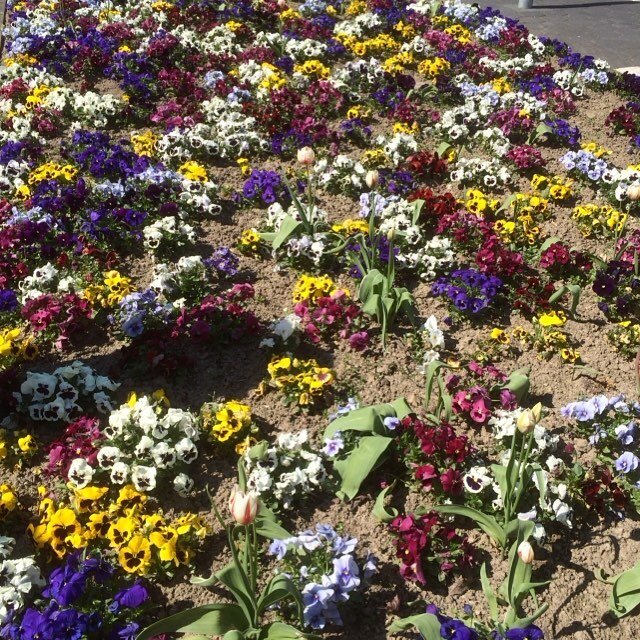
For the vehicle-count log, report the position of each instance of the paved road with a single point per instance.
(609, 30)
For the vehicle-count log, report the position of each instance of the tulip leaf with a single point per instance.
(235, 579)
(211, 619)
(370, 418)
(282, 631)
(426, 623)
(541, 484)
(575, 292)
(258, 451)
(354, 469)
(288, 227)
(379, 511)
(280, 587)
(267, 525)
(548, 242)
(518, 382)
(487, 523)
(488, 593)
(625, 596)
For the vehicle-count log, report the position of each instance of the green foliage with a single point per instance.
(242, 620)
(371, 443)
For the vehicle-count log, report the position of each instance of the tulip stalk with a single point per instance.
(243, 619)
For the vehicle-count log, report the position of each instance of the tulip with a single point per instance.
(525, 552)
(243, 506)
(633, 192)
(306, 156)
(371, 179)
(528, 419)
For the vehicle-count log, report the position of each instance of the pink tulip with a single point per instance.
(243, 506)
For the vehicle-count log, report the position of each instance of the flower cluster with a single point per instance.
(65, 394)
(286, 471)
(324, 565)
(477, 390)
(227, 422)
(303, 382)
(141, 541)
(469, 291)
(143, 443)
(19, 578)
(435, 455)
(78, 599)
(612, 426)
(425, 546)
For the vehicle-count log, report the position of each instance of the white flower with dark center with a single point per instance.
(183, 484)
(186, 450)
(108, 456)
(163, 455)
(144, 446)
(143, 478)
(80, 473)
(476, 479)
(119, 473)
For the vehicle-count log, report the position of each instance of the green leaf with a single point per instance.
(374, 307)
(379, 511)
(234, 634)
(547, 243)
(258, 451)
(417, 208)
(369, 419)
(505, 476)
(488, 593)
(575, 292)
(431, 374)
(235, 579)
(426, 623)
(518, 382)
(282, 631)
(370, 285)
(242, 475)
(487, 523)
(289, 226)
(543, 129)
(354, 469)
(267, 525)
(520, 623)
(625, 596)
(443, 148)
(211, 619)
(541, 484)
(280, 587)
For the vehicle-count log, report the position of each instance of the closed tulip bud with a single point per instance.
(243, 506)
(527, 420)
(391, 234)
(371, 179)
(536, 410)
(306, 156)
(633, 192)
(525, 552)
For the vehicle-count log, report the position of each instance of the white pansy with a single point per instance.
(80, 473)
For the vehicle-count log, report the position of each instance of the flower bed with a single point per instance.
(374, 262)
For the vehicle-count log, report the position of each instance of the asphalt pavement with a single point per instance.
(608, 30)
